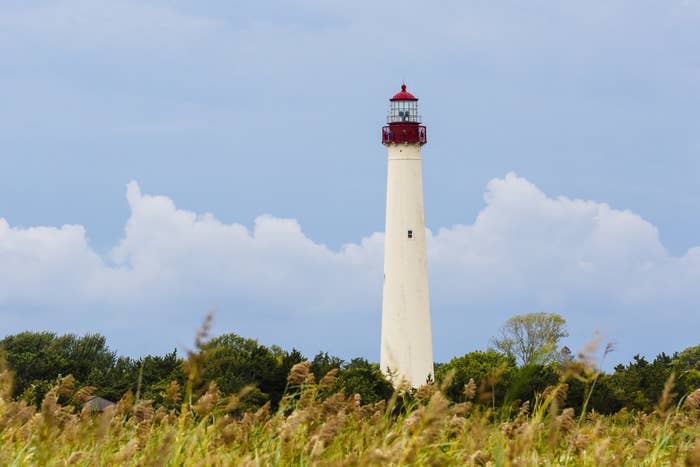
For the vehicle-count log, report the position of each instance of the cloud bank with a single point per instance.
(600, 267)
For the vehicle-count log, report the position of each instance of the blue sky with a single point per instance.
(274, 109)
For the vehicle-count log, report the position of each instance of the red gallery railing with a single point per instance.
(404, 133)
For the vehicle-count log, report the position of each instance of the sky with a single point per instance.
(159, 159)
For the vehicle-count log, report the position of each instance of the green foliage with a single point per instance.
(311, 428)
(604, 398)
(638, 385)
(492, 372)
(530, 380)
(234, 362)
(686, 366)
(156, 374)
(366, 379)
(38, 358)
(532, 338)
(323, 363)
(259, 374)
(115, 381)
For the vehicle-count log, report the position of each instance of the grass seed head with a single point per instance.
(208, 401)
(641, 448)
(692, 402)
(126, 403)
(126, 452)
(667, 396)
(692, 458)
(172, 393)
(469, 390)
(299, 374)
(328, 380)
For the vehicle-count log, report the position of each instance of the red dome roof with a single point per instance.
(404, 95)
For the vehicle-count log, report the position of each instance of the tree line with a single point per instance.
(526, 360)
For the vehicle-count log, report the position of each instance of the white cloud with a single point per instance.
(600, 267)
(552, 243)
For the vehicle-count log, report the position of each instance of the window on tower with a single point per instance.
(410, 234)
(403, 111)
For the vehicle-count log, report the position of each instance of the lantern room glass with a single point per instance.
(403, 111)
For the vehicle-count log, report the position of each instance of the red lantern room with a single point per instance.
(404, 121)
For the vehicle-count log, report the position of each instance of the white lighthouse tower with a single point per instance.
(407, 343)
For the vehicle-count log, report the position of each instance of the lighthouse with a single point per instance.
(407, 343)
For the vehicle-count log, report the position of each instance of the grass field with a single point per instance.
(314, 427)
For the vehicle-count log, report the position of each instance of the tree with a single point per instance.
(532, 338)
(235, 362)
(39, 358)
(366, 379)
(530, 380)
(640, 384)
(686, 365)
(323, 363)
(491, 371)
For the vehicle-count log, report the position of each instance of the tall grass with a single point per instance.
(314, 426)
(312, 429)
